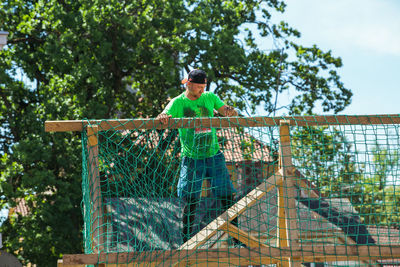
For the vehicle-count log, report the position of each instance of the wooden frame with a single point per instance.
(126, 124)
(258, 256)
(289, 252)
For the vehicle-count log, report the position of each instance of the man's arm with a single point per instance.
(227, 111)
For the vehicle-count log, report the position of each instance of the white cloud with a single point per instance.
(372, 25)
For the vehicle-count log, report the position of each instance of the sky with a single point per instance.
(365, 34)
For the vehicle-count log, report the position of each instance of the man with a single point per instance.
(200, 149)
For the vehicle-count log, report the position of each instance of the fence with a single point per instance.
(309, 189)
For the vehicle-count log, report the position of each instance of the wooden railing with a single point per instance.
(287, 252)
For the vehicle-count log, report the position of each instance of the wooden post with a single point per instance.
(97, 225)
(60, 263)
(287, 234)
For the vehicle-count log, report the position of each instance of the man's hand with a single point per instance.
(227, 111)
(164, 118)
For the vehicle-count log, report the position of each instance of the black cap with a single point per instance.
(196, 76)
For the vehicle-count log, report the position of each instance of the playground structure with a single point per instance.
(132, 217)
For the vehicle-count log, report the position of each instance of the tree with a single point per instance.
(327, 158)
(330, 161)
(105, 59)
(375, 197)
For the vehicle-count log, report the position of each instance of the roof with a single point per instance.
(20, 209)
(238, 147)
(385, 235)
(149, 224)
(236, 144)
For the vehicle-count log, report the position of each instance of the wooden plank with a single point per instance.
(303, 183)
(282, 236)
(64, 126)
(306, 238)
(243, 236)
(287, 194)
(60, 263)
(231, 261)
(235, 260)
(238, 208)
(224, 122)
(205, 188)
(132, 264)
(92, 134)
(304, 254)
(95, 189)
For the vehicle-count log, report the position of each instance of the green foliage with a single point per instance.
(247, 147)
(326, 157)
(145, 163)
(374, 196)
(332, 164)
(105, 59)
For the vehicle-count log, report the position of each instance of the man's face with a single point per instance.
(196, 89)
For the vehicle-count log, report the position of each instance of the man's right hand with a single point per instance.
(164, 118)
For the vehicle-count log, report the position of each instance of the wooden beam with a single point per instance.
(225, 122)
(97, 219)
(305, 185)
(325, 253)
(238, 208)
(243, 236)
(231, 261)
(282, 236)
(288, 229)
(64, 126)
(60, 263)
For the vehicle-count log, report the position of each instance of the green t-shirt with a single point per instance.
(197, 143)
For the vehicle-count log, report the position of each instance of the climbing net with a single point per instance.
(307, 189)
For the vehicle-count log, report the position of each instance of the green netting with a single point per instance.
(336, 186)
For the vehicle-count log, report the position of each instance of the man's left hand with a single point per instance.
(229, 111)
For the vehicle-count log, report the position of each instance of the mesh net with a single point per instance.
(298, 191)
